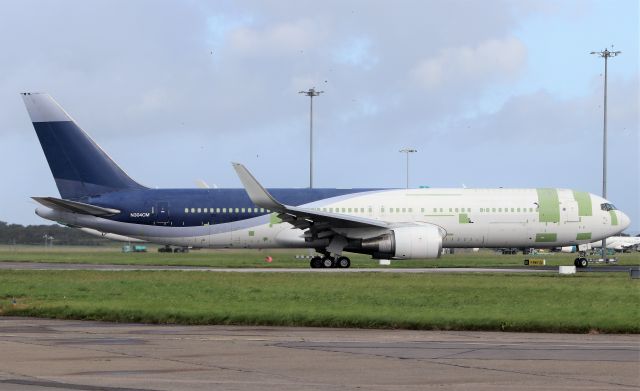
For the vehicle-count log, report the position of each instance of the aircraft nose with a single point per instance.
(625, 221)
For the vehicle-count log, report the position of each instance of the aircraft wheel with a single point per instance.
(344, 262)
(316, 262)
(576, 262)
(327, 262)
(584, 262)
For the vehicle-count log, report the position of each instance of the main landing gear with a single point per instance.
(330, 262)
(581, 262)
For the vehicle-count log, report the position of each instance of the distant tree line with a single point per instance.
(35, 234)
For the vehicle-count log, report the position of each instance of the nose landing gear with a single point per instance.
(581, 262)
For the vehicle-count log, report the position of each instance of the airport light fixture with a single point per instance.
(407, 151)
(605, 54)
(311, 93)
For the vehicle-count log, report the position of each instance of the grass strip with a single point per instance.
(584, 303)
(281, 258)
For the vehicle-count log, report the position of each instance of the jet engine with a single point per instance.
(405, 243)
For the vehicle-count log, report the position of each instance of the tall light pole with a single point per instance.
(605, 54)
(407, 151)
(311, 93)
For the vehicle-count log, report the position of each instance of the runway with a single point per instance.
(42, 354)
(8, 265)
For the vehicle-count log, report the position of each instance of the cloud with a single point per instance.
(491, 60)
(280, 39)
(540, 117)
(357, 52)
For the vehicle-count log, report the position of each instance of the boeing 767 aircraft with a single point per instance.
(98, 196)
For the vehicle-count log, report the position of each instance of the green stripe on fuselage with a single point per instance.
(542, 238)
(583, 236)
(584, 203)
(614, 217)
(548, 206)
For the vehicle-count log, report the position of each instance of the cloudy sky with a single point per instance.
(491, 93)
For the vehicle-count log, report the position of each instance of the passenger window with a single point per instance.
(410, 210)
(450, 210)
(481, 210)
(370, 210)
(343, 210)
(404, 210)
(361, 210)
(382, 209)
(349, 210)
(206, 210)
(435, 210)
(186, 210)
(237, 210)
(193, 210)
(512, 210)
(440, 210)
(456, 210)
(518, 209)
(493, 210)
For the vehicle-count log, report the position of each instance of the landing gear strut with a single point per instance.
(328, 261)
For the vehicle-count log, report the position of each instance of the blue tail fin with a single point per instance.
(79, 166)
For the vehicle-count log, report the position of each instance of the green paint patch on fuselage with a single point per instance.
(463, 218)
(614, 217)
(274, 219)
(583, 236)
(548, 205)
(546, 237)
(584, 203)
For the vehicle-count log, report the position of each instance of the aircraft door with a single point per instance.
(162, 213)
(569, 211)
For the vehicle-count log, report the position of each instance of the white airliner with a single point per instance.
(619, 243)
(385, 223)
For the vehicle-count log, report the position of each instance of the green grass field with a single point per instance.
(281, 258)
(590, 302)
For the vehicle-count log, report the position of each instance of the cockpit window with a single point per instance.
(607, 207)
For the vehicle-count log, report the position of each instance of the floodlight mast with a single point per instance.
(605, 54)
(311, 93)
(407, 151)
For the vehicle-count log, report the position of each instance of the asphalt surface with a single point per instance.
(43, 354)
(8, 265)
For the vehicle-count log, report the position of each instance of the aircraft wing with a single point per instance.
(318, 224)
(75, 207)
(299, 217)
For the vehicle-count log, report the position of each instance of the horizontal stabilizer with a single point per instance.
(75, 207)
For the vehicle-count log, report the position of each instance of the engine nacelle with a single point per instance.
(406, 243)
